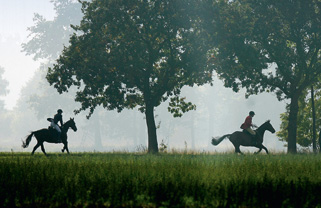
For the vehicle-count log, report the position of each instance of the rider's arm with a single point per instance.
(61, 121)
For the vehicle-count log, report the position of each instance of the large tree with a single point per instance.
(305, 117)
(268, 45)
(134, 53)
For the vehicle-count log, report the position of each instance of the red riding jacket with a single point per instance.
(247, 123)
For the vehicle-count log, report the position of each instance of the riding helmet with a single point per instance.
(59, 111)
(252, 113)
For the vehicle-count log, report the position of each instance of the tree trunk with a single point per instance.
(151, 127)
(292, 128)
(314, 142)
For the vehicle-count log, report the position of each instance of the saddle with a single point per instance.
(246, 132)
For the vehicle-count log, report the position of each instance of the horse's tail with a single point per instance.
(219, 140)
(26, 143)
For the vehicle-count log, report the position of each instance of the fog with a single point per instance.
(30, 101)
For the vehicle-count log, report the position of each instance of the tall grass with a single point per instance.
(165, 180)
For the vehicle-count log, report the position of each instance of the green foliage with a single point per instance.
(305, 130)
(164, 180)
(163, 147)
(48, 37)
(178, 106)
(251, 36)
(264, 45)
(131, 53)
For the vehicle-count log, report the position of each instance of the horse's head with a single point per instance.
(268, 126)
(71, 123)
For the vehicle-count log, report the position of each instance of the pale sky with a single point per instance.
(15, 17)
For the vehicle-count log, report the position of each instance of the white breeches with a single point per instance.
(55, 126)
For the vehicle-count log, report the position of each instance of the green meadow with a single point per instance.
(162, 180)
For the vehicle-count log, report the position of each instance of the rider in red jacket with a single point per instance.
(248, 124)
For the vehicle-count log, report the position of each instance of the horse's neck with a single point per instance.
(261, 130)
(66, 127)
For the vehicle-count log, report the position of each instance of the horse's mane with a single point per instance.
(267, 121)
(70, 120)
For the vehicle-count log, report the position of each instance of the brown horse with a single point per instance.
(46, 135)
(239, 138)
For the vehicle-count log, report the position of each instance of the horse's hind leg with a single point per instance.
(235, 143)
(36, 147)
(261, 146)
(43, 149)
(237, 149)
(258, 151)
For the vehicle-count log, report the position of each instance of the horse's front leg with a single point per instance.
(43, 149)
(65, 147)
(262, 147)
(266, 150)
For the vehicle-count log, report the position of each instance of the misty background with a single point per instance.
(27, 100)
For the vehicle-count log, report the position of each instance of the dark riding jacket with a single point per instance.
(57, 118)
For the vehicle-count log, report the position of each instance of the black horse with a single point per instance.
(48, 135)
(239, 138)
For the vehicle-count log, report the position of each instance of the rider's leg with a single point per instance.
(253, 133)
(58, 130)
(52, 124)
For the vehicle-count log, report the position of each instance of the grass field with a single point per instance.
(164, 180)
